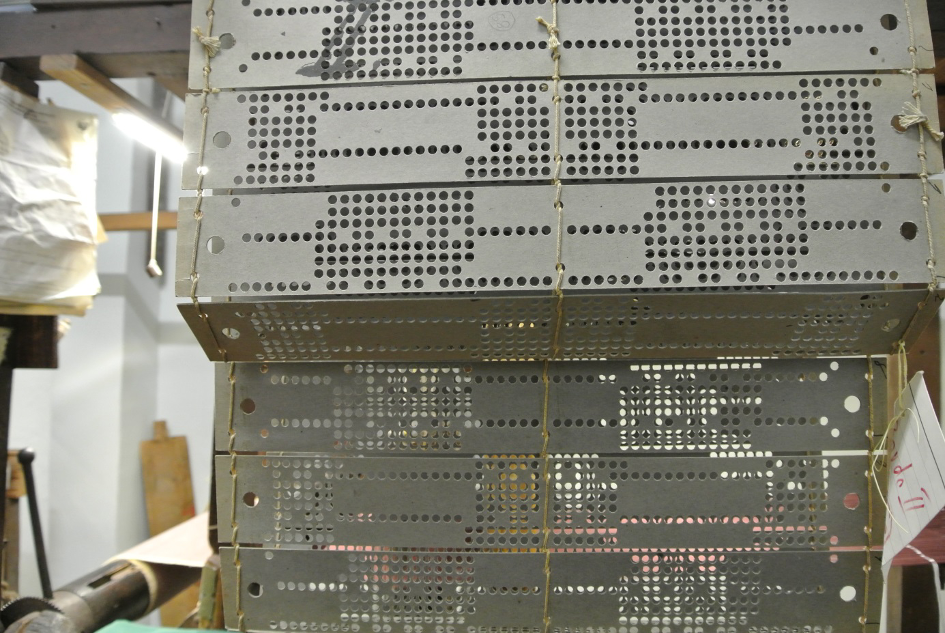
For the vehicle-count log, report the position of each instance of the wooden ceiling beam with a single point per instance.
(44, 5)
(17, 81)
(176, 85)
(146, 29)
(74, 71)
(136, 41)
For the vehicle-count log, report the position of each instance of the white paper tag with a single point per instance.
(916, 470)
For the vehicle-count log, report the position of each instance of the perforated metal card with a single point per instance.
(597, 408)
(704, 591)
(504, 238)
(641, 325)
(290, 43)
(703, 127)
(591, 593)
(497, 502)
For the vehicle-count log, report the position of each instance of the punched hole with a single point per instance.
(908, 230)
(851, 501)
(248, 405)
(222, 139)
(254, 589)
(889, 22)
(215, 244)
(851, 404)
(251, 499)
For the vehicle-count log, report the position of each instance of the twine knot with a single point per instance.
(553, 42)
(911, 115)
(210, 44)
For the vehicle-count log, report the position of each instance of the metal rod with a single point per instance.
(153, 268)
(26, 457)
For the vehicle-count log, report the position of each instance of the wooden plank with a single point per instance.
(46, 5)
(16, 489)
(936, 14)
(939, 71)
(909, 593)
(210, 606)
(116, 66)
(920, 603)
(6, 391)
(169, 498)
(171, 63)
(16, 80)
(176, 84)
(141, 30)
(894, 601)
(33, 343)
(925, 355)
(138, 221)
(919, 600)
(169, 493)
(11, 549)
(77, 73)
(938, 45)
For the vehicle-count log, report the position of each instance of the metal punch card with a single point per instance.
(501, 131)
(405, 592)
(497, 502)
(617, 237)
(283, 43)
(844, 322)
(615, 408)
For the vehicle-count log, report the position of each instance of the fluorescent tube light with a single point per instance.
(150, 135)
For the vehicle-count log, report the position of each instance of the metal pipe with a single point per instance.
(115, 591)
(121, 589)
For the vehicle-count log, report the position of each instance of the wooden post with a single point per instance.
(169, 497)
(31, 343)
(16, 489)
(915, 589)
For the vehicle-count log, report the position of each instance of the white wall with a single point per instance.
(129, 361)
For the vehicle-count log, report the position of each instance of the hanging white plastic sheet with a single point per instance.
(48, 225)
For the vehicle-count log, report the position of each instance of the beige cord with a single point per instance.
(554, 45)
(209, 51)
(234, 524)
(913, 116)
(211, 46)
(868, 530)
